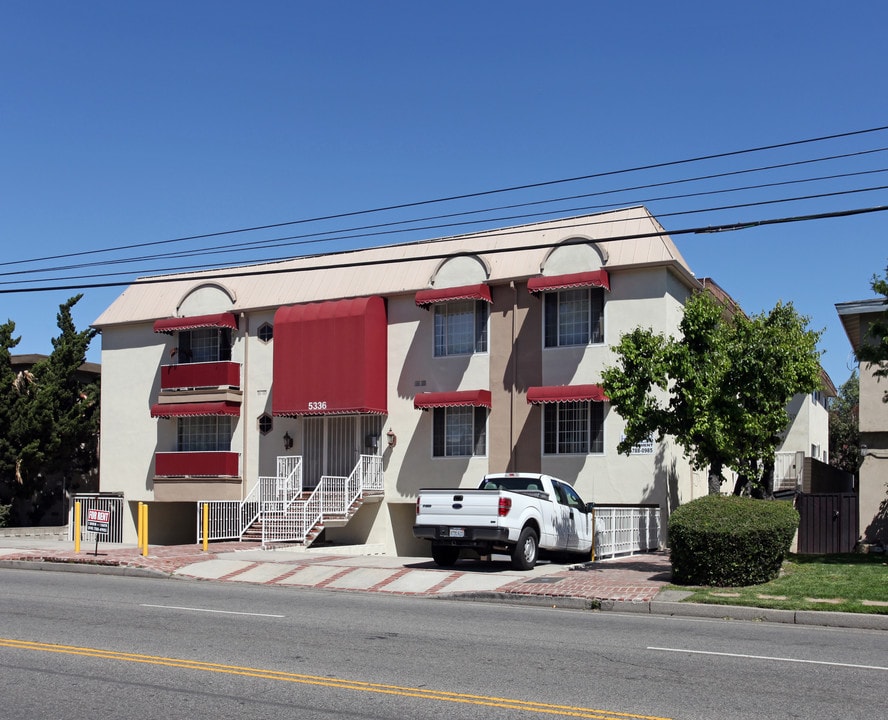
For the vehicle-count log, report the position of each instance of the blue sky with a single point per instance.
(128, 123)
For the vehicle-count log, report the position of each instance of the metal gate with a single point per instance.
(828, 523)
(112, 503)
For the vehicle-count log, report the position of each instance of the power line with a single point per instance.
(281, 243)
(224, 274)
(465, 196)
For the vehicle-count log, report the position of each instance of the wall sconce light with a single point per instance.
(288, 441)
(864, 451)
(392, 438)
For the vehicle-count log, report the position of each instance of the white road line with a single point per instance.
(767, 657)
(207, 610)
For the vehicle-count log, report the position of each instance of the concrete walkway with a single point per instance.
(628, 584)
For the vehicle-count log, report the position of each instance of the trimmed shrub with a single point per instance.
(730, 541)
(4, 514)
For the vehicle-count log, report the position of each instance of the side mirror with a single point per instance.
(590, 507)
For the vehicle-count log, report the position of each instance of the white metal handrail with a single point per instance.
(626, 530)
(277, 501)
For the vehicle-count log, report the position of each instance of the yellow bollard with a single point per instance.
(139, 528)
(77, 526)
(145, 530)
(206, 526)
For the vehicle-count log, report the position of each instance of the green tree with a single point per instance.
(720, 389)
(874, 350)
(49, 417)
(844, 427)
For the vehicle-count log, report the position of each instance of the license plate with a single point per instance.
(456, 532)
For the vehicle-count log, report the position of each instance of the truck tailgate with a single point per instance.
(458, 507)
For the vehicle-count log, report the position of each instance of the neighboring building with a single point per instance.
(435, 361)
(873, 475)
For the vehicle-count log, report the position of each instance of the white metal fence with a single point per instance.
(788, 470)
(626, 530)
(111, 503)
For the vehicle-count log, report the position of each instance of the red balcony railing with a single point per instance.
(197, 464)
(200, 375)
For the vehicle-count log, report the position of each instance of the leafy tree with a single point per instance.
(720, 388)
(874, 351)
(48, 417)
(844, 428)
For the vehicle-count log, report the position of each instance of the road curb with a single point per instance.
(84, 567)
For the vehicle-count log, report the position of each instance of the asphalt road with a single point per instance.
(97, 646)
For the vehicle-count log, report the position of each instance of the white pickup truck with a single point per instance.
(519, 514)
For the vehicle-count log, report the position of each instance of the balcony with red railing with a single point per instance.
(217, 464)
(190, 376)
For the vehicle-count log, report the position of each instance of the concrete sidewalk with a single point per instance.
(628, 584)
(632, 579)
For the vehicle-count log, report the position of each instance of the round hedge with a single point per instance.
(728, 541)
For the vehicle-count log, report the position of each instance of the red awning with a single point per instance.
(221, 407)
(465, 292)
(565, 393)
(331, 358)
(460, 398)
(171, 325)
(595, 278)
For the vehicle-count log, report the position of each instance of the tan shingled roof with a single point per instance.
(511, 253)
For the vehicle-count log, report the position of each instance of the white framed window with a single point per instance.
(461, 327)
(459, 431)
(573, 428)
(210, 433)
(574, 317)
(204, 345)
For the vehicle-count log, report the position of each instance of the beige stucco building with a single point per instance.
(873, 475)
(442, 360)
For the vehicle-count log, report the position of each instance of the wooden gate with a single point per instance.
(828, 523)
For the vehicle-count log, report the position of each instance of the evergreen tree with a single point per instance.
(49, 418)
(844, 428)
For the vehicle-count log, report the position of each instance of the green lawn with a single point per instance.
(848, 582)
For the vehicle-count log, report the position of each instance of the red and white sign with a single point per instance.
(97, 521)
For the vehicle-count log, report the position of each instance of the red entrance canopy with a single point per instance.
(565, 393)
(219, 320)
(330, 358)
(594, 278)
(459, 398)
(465, 292)
(221, 407)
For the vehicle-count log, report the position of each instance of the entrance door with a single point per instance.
(333, 444)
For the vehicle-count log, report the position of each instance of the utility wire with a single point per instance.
(569, 211)
(323, 236)
(485, 193)
(225, 274)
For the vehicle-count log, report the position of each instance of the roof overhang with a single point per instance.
(565, 393)
(459, 398)
(432, 296)
(170, 410)
(175, 324)
(592, 278)
(331, 358)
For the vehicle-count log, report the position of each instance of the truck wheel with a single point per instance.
(445, 555)
(524, 554)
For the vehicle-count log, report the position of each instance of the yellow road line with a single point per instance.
(340, 683)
